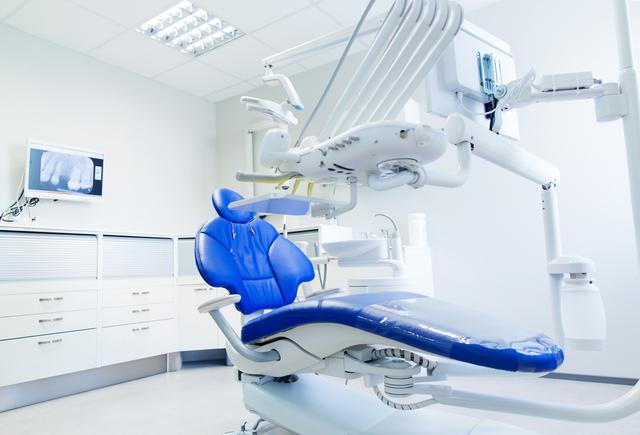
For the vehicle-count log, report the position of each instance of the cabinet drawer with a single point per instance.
(197, 331)
(137, 313)
(136, 296)
(50, 302)
(49, 323)
(33, 358)
(142, 340)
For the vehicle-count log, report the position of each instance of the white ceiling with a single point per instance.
(105, 30)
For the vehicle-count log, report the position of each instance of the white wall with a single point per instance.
(487, 236)
(159, 142)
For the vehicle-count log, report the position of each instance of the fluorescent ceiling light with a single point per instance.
(190, 29)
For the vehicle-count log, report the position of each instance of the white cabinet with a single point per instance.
(137, 295)
(137, 313)
(46, 323)
(39, 357)
(70, 302)
(197, 331)
(33, 256)
(50, 302)
(140, 340)
(132, 257)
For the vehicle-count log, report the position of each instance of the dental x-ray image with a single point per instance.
(55, 171)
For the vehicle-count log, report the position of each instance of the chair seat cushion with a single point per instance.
(428, 324)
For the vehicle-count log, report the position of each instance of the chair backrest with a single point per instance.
(248, 257)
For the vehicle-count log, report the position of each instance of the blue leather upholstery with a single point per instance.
(248, 257)
(427, 324)
(221, 199)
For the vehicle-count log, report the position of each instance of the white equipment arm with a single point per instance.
(627, 105)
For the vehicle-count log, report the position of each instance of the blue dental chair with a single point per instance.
(263, 270)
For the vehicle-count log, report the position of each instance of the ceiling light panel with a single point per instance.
(190, 29)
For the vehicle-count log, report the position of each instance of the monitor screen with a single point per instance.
(63, 173)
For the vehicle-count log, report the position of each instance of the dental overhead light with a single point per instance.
(190, 29)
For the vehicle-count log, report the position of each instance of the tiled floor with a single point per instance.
(204, 399)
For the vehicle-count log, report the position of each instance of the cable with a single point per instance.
(413, 357)
(335, 71)
(460, 96)
(406, 355)
(402, 406)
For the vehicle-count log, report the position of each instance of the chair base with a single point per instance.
(315, 405)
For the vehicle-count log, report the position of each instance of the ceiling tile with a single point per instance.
(229, 92)
(8, 6)
(126, 12)
(241, 57)
(64, 23)
(347, 13)
(249, 15)
(138, 53)
(289, 70)
(197, 78)
(296, 29)
(328, 56)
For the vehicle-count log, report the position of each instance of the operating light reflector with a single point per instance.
(190, 29)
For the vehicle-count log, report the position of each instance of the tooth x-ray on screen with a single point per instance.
(65, 172)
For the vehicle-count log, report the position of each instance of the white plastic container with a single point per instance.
(417, 223)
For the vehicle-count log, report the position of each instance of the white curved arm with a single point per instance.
(397, 51)
(397, 98)
(420, 176)
(387, 30)
(442, 179)
(218, 303)
(500, 150)
(614, 410)
(213, 307)
(416, 49)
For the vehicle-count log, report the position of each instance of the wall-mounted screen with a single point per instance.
(63, 173)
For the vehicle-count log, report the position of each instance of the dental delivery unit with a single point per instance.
(405, 346)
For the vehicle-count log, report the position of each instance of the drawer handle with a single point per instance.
(144, 310)
(57, 299)
(55, 319)
(57, 340)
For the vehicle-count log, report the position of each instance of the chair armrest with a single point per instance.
(213, 308)
(218, 303)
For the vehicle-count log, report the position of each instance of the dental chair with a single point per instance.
(404, 342)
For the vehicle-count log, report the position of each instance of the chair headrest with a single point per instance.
(221, 199)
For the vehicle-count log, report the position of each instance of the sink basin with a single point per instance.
(357, 250)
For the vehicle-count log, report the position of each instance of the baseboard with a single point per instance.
(41, 390)
(203, 355)
(590, 378)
